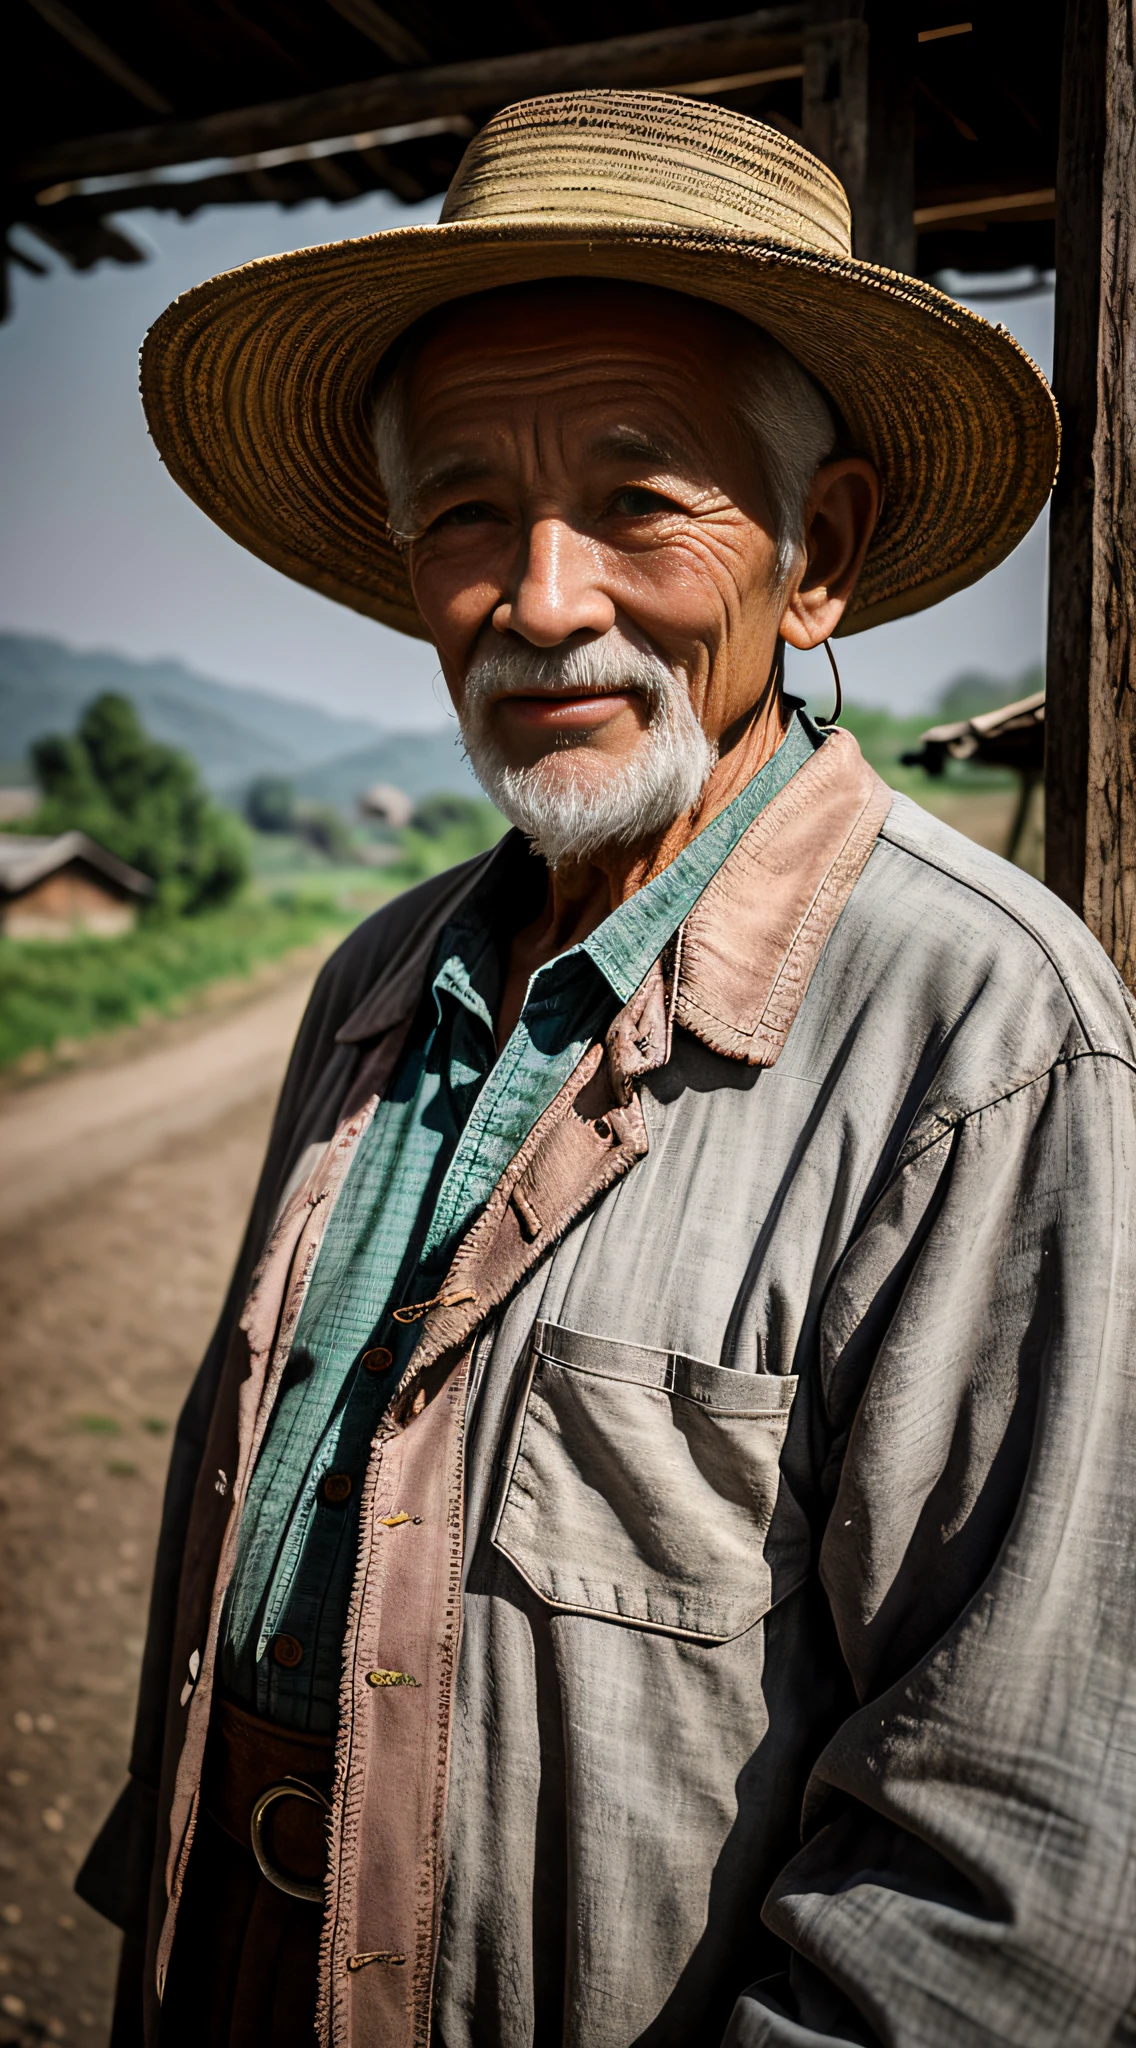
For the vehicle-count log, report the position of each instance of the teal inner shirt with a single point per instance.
(455, 1115)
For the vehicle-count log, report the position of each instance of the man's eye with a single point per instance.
(471, 514)
(636, 503)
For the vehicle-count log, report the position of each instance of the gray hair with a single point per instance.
(779, 408)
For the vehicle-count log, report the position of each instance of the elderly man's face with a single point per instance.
(573, 473)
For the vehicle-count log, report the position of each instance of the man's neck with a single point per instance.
(582, 893)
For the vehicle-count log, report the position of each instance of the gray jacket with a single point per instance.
(741, 1641)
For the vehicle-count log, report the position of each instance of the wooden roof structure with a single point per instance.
(977, 136)
(942, 117)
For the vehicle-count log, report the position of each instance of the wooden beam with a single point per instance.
(1076, 323)
(661, 58)
(834, 99)
(1110, 837)
(83, 39)
(1091, 687)
(1037, 205)
(379, 27)
(885, 230)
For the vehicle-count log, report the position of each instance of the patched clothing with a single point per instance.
(740, 1640)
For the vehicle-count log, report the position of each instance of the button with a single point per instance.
(336, 1488)
(288, 1652)
(378, 1359)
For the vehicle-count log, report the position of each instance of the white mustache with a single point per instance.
(593, 669)
(571, 803)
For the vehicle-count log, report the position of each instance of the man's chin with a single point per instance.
(571, 772)
(574, 803)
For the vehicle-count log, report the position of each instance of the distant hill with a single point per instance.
(232, 733)
(235, 734)
(421, 763)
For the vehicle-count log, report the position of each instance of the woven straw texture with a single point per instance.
(255, 384)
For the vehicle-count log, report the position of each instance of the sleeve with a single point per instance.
(968, 1868)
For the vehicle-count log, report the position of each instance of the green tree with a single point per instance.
(142, 800)
(438, 814)
(324, 829)
(270, 804)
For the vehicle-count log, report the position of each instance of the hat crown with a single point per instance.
(650, 159)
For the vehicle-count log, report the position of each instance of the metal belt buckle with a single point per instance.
(288, 1788)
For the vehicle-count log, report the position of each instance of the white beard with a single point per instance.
(570, 816)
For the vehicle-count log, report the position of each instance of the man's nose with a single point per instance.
(557, 589)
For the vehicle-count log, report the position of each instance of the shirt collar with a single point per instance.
(752, 936)
(624, 946)
(633, 935)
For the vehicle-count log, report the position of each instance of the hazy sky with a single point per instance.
(100, 549)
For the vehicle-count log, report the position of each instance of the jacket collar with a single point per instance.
(737, 972)
(753, 939)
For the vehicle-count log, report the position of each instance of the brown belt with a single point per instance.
(268, 1789)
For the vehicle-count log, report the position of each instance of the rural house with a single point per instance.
(51, 888)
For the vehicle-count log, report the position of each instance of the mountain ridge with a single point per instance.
(233, 732)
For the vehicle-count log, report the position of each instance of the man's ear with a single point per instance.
(840, 519)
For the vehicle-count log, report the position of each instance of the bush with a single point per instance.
(144, 802)
(270, 804)
(438, 814)
(427, 853)
(324, 828)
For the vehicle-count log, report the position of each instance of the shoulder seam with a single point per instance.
(949, 1125)
(976, 889)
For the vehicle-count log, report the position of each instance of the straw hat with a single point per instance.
(256, 383)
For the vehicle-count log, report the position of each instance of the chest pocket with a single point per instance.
(645, 1488)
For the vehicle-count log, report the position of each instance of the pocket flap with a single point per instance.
(646, 1487)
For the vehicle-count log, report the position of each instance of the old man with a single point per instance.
(649, 1555)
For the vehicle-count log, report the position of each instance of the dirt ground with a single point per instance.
(106, 1302)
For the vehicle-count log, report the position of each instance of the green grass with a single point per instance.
(56, 993)
(71, 989)
(285, 860)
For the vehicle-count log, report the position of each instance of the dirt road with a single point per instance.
(68, 1134)
(108, 1291)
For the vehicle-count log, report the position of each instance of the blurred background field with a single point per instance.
(260, 827)
(111, 582)
(266, 827)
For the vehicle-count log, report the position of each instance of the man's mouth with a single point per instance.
(566, 710)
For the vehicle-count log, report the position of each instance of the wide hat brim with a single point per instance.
(256, 388)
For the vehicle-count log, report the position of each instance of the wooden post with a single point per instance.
(1090, 749)
(885, 229)
(834, 95)
(858, 115)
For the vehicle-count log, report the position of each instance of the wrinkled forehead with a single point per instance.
(583, 343)
(514, 315)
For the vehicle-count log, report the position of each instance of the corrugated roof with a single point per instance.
(26, 860)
